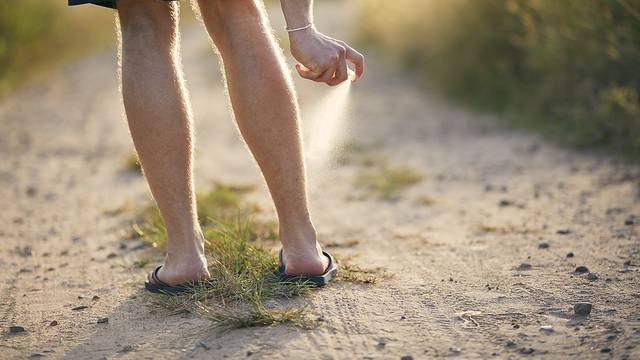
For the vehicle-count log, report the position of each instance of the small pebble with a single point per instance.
(203, 345)
(527, 350)
(592, 276)
(111, 255)
(510, 344)
(543, 245)
(95, 297)
(79, 307)
(406, 357)
(581, 269)
(126, 348)
(563, 232)
(516, 326)
(605, 350)
(15, 329)
(582, 308)
(36, 355)
(53, 323)
(629, 222)
(31, 191)
(524, 266)
(569, 254)
(24, 251)
(547, 329)
(104, 320)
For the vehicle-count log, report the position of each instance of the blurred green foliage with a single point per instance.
(36, 34)
(568, 68)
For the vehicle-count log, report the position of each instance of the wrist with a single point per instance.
(302, 34)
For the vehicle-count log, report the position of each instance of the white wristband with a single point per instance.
(299, 28)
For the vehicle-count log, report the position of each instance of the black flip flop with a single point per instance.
(316, 280)
(160, 287)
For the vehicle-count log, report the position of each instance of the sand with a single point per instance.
(471, 276)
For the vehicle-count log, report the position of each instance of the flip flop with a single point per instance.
(160, 287)
(316, 280)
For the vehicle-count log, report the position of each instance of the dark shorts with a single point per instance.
(105, 3)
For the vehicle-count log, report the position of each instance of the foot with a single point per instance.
(182, 266)
(302, 253)
(177, 272)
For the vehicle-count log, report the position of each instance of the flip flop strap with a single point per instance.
(283, 266)
(154, 277)
(330, 260)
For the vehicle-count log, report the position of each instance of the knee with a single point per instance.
(139, 17)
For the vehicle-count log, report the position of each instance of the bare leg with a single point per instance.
(266, 109)
(160, 122)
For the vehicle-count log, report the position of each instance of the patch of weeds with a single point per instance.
(343, 153)
(241, 263)
(132, 164)
(353, 273)
(117, 210)
(386, 181)
(504, 230)
(425, 200)
(374, 161)
(222, 204)
(242, 280)
(343, 244)
(142, 262)
(242, 268)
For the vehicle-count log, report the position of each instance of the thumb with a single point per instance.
(307, 73)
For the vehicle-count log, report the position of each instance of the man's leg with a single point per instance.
(159, 118)
(266, 109)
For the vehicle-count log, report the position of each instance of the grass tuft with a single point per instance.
(356, 274)
(386, 181)
(132, 164)
(241, 264)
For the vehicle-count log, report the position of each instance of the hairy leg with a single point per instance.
(266, 110)
(159, 119)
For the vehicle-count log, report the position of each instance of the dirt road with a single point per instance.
(484, 249)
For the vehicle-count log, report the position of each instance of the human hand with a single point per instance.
(324, 59)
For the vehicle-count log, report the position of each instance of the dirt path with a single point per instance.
(456, 242)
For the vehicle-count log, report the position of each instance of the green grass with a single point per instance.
(356, 274)
(241, 263)
(385, 181)
(132, 164)
(38, 35)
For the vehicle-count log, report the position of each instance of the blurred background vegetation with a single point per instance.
(570, 68)
(37, 35)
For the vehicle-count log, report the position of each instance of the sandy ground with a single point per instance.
(460, 287)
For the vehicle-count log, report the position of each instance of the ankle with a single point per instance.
(298, 237)
(186, 247)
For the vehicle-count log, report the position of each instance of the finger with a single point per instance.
(341, 71)
(357, 60)
(306, 73)
(327, 75)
